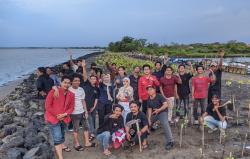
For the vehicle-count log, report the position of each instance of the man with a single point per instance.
(131, 130)
(134, 78)
(146, 80)
(57, 114)
(77, 68)
(111, 124)
(158, 73)
(157, 110)
(199, 90)
(91, 97)
(183, 89)
(214, 117)
(80, 114)
(215, 88)
(43, 84)
(66, 71)
(168, 89)
(112, 69)
(53, 76)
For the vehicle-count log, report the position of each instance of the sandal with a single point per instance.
(79, 148)
(145, 146)
(91, 138)
(66, 149)
(108, 153)
(92, 145)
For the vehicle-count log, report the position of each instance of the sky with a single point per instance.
(63, 23)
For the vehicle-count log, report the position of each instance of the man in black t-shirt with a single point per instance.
(183, 89)
(134, 78)
(131, 130)
(157, 110)
(215, 88)
(214, 117)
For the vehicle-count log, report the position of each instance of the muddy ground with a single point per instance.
(191, 145)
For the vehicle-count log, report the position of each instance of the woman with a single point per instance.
(124, 96)
(105, 99)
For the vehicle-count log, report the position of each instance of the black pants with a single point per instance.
(144, 106)
(103, 109)
(185, 101)
(202, 102)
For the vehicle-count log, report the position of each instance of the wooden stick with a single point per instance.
(138, 130)
(203, 135)
(244, 145)
(233, 103)
(181, 135)
(237, 115)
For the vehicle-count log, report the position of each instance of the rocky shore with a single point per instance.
(23, 132)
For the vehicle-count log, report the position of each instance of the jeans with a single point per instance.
(212, 123)
(57, 132)
(104, 139)
(202, 106)
(163, 117)
(170, 108)
(185, 101)
(91, 121)
(103, 109)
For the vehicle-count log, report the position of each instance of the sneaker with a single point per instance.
(169, 145)
(210, 131)
(196, 122)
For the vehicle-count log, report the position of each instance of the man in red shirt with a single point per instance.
(57, 114)
(168, 89)
(144, 81)
(200, 85)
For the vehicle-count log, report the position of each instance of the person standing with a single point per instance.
(134, 79)
(168, 89)
(57, 114)
(215, 88)
(146, 80)
(183, 89)
(199, 90)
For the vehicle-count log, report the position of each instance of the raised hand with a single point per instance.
(83, 63)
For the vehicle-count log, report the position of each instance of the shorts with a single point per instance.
(76, 120)
(57, 132)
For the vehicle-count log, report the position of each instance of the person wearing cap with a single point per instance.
(157, 107)
(214, 117)
(146, 80)
(215, 88)
(124, 96)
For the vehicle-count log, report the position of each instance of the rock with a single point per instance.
(16, 153)
(8, 130)
(5, 119)
(39, 114)
(12, 142)
(20, 112)
(33, 104)
(31, 154)
(32, 141)
(21, 120)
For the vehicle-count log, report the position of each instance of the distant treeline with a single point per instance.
(130, 44)
(94, 47)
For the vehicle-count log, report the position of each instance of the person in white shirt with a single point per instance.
(79, 114)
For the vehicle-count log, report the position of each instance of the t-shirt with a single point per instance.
(183, 89)
(91, 94)
(79, 96)
(111, 124)
(168, 86)
(142, 121)
(213, 113)
(216, 86)
(157, 102)
(200, 87)
(134, 84)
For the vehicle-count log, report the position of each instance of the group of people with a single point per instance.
(121, 102)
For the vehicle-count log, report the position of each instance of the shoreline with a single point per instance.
(9, 87)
